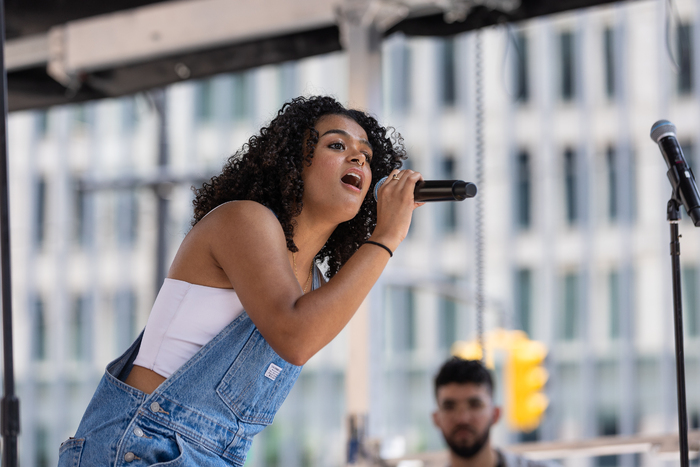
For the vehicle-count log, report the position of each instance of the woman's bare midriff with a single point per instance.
(144, 379)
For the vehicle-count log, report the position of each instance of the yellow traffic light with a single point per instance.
(524, 375)
(525, 379)
(470, 350)
(497, 339)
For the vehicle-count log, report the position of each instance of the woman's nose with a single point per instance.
(359, 158)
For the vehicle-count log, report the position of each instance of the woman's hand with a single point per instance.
(395, 207)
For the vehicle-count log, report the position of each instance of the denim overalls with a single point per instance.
(206, 413)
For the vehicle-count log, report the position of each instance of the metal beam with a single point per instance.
(164, 29)
(27, 52)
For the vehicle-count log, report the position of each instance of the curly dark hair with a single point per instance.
(268, 170)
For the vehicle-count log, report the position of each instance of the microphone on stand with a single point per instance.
(438, 190)
(679, 173)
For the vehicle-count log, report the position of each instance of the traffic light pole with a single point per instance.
(673, 215)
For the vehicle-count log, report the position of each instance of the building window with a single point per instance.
(684, 50)
(42, 123)
(610, 62)
(40, 341)
(81, 117)
(522, 83)
(287, 81)
(242, 95)
(43, 448)
(447, 322)
(411, 318)
(523, 300)
(130, 114)
(621, 185)
(399, 76)
(608, 426)
(614, 303)
(80, 334)
(126, 218)
(570, 186)
(40, 212)
(449, 81)
(270, 446)
(402, 327)
(523, 187)
(125, 318)
(81, 225)
(571, 306)
(205, 100)
(613, 200)
(449, 209)
(631, 207)
(691, 301)
(567, 69)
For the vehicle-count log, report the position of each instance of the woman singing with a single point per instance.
(244, 304)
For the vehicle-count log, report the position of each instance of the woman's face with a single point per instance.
(336, 182)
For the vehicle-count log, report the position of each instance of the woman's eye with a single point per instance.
(337, 146)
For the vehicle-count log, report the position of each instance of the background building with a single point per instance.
(576, 239)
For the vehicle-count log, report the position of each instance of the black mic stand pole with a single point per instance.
(673, 214)
(10, 403)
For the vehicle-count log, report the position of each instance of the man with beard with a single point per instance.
(465, 413)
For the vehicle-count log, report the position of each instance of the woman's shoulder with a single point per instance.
(242, 220)
(237, 210)
(227, 234)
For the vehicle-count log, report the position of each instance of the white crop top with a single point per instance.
(184, 318)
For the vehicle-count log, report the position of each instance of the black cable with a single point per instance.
(669, 47)
(479, 179)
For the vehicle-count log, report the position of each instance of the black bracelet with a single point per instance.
(391, 255)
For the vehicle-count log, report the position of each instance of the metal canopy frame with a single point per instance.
(146, 44)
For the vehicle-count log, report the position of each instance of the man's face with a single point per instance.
(465, 414)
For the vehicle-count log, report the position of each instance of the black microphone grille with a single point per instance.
(662, 128)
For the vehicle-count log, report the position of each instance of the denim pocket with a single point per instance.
(70, 451)
(257, 382)
(181, 459)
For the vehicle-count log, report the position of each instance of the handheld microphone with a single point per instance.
(679, 173)
(438, 190)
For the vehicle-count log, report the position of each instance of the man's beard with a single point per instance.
(468, 451)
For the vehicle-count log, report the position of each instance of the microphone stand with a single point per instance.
(673, 214)
(9, 417)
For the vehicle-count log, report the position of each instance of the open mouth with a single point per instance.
(352, 179)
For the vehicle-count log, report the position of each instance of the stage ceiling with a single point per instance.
(61, 51)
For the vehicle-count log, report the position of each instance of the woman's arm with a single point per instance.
(255, 260)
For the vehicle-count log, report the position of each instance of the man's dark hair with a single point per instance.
(458, 370)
